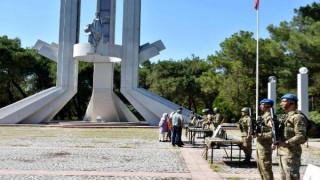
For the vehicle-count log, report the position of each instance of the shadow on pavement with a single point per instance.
(237, 164)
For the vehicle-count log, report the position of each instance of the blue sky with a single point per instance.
(185, 26)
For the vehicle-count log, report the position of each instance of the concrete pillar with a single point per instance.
(68, 36)
(102, 103)
(303, 95)
(130, 44)
(272, 87)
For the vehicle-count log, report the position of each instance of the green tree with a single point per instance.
(75, 109)
(22, 71)
(301, 40)
(235, 71)
(179, 81)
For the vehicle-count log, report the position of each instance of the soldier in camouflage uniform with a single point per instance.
(201, 122)
(206, 119)
(294, 134)
(192, 119)
(264, 140)
(217, 118)
(245, 125)
(208, 123)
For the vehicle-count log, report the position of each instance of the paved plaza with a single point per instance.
(42, 152)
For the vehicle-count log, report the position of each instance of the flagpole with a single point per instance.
(257, 65)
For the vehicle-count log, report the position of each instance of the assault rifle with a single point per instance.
(275, 127)
(253, 123)
(256, 124)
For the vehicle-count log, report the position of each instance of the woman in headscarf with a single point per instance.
(163, 127)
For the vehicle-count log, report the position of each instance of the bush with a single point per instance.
(315, 116)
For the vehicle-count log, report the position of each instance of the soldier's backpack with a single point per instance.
(312, 129)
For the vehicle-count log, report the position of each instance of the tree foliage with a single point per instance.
(300, 39)
(180, 81)
(22, 71)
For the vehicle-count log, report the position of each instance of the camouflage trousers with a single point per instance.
(264, 163)
(247, 146)
(289, 166)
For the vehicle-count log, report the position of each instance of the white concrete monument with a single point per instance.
(272, 90)
(302, 90)
(303, 94)
(104, 104)
(43, 106)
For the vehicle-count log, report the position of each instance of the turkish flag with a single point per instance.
(256, 5)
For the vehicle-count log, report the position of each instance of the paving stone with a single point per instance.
(60, 154)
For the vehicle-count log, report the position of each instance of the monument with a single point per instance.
(101, 50)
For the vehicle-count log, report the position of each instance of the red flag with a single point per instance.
(256, 5)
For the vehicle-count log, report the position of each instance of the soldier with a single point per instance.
(217, 119)
(264, 141)
(290, 140)
(192, 119)
(209, 124)
(245, 125)
(204, 121)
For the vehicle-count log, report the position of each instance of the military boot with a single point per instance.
(247, 160)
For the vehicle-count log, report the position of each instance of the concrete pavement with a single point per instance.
(91, 153)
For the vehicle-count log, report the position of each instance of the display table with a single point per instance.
(192, 131)
(211, 143)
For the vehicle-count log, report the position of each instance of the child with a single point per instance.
(168, 138)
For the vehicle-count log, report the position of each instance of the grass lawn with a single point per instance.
(7, 132)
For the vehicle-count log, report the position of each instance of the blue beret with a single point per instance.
(269, 101)
(290, 96)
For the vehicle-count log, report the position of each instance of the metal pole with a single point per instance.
(257, 67)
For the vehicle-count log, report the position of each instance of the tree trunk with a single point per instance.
(9, 93)
(19, 88)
